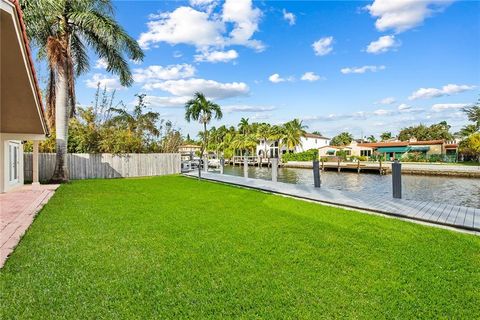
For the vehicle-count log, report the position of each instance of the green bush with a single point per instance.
(308, 155)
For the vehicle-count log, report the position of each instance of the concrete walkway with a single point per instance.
(459, 217)
(18, 208)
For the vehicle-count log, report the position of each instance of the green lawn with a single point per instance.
(174, 247)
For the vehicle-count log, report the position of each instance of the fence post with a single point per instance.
(397, 179)
(274, 169)
(222, 164)
(316, 174)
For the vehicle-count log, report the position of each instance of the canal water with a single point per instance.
(451, 190)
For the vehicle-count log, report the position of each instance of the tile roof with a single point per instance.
(317, 136)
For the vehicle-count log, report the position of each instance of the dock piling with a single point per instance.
(316, 174)
(245, 167)
(397, 179)
(274, 164)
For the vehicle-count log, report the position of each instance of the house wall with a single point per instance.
(307, 144)
(434, 149)
(312, 143)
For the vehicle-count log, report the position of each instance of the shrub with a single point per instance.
(308, 155)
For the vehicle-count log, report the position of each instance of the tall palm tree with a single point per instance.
(201, 109)
(294, 131)
(263, 133)
(244, 126)
(62, 30)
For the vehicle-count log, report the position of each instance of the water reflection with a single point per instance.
(456, 191)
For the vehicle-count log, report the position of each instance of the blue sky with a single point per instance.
(365, 67)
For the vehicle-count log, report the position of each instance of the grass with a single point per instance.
(173, 247)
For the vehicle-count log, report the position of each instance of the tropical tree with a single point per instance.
(244, 142)
(293, 132)
(438, 131)
(371, 138)
(263, 133)
(244, 126)
(386, 136)
(342, 139)
(467, 130)
(473, 113)
(62, 30)
(471, 146)
(139, 123)
(202, 110)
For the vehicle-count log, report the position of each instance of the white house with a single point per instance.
(21, 112)
(309, 141)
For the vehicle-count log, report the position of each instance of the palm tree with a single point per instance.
(371, 138)
(293, 132)
(62, 30)
(244, 126)
(263, 133)
(386, 136)
(200, 109)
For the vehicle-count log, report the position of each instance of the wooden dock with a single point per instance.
(436, 213)
(377, 167)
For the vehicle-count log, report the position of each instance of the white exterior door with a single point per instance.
(13, 162)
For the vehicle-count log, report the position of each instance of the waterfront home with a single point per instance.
(272, 149)
(424, 149)
(353, 149)
(391, 150)
(188, 148)
(21, 111)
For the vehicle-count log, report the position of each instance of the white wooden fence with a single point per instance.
(105, 165)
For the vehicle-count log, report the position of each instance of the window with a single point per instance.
(365, 153)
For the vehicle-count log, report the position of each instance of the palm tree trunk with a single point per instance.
(61, 125)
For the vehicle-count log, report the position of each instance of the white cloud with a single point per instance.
(183, 25)
(381, 112)
(310, 76)
(387, 100)
(203, 28)
(275, 78)
(401, 15)
(217, 56)
(245, 19)
(158, 73)
(177, 54)
(211, 88)
(166, 102)
(323, 46)
(448, 106)
(383, 44)
(105, 81)
(290, 17)
(362, 69)
(248, 108)
(101, 64)
(449, 89)
(404, 107)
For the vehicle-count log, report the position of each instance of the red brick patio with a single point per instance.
(18, 208)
